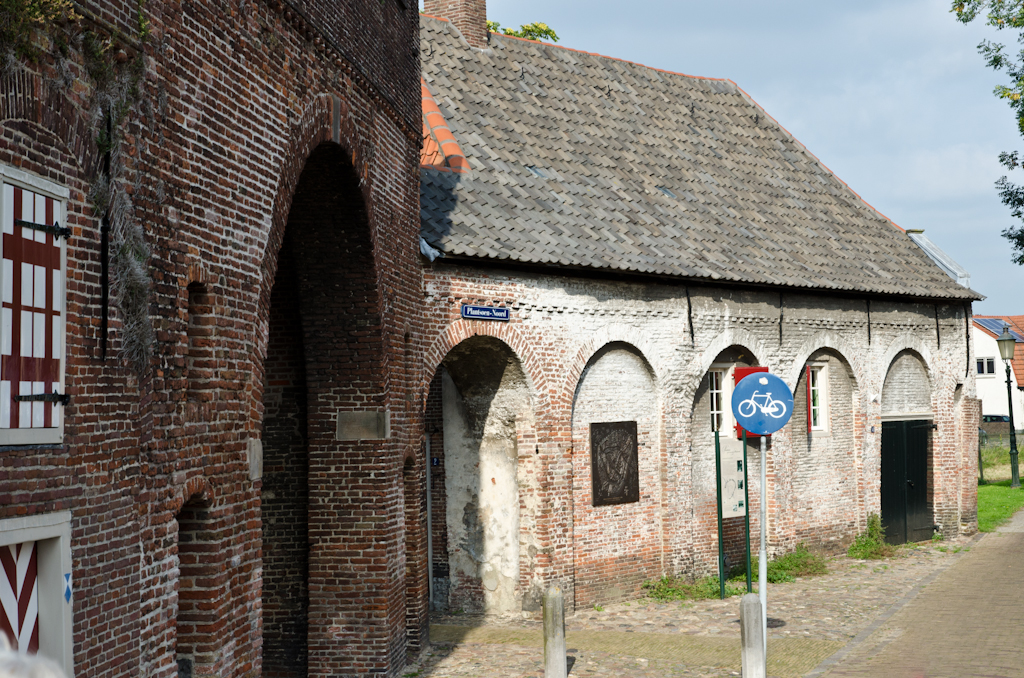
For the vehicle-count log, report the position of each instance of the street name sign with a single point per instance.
(485, 313)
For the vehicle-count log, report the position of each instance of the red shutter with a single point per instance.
(19, 596)
(807, 378)
(738, 374)
(31, 335)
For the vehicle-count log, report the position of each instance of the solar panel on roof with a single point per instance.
(996, 325)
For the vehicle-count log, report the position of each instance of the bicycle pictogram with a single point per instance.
(764, 401)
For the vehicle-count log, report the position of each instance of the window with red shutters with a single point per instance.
(33, 254)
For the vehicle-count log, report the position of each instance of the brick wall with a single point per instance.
(433, 420)
(469, 16)
(560, 323)
(824, 488)
(235, 99)
(284, 498)
(907, 387)
(617, 548)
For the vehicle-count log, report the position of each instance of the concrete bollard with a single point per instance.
(750, 637)
(555, 664)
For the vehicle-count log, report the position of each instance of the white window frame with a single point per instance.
(986, 363)
(52, 534)
(725, 372)
(24, 180)
(818, 373)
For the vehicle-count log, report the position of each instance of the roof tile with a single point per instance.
(606, 136)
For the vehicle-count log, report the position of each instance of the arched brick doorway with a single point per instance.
(906, 456)
(323, 379)
(483, 468)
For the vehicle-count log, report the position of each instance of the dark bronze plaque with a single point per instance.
(613, 463)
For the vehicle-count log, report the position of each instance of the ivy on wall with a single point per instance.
(33, 29)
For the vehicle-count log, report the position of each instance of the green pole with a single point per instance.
(981, 465)
(746, 507)
(718, 493)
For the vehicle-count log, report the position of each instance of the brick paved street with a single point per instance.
(831, 623)
(967, 623)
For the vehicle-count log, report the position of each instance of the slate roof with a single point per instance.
(584, 161)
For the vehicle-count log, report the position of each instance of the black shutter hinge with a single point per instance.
(62, 398)
(57, 231)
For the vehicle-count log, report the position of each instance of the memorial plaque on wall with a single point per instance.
(613, 463)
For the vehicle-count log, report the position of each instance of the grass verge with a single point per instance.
(997, 502)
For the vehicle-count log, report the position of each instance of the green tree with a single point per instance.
(1004, 14)
(534, 31)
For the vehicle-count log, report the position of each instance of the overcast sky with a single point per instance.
(891, 95)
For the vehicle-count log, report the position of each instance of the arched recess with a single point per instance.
(686, 378)
(712, 411)
(484, 478)
(202, 584)
(608, 334)
(323, 406)
(827, 463)
(907, 450)
(618, 470)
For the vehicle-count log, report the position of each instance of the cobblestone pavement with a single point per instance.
(815, 619)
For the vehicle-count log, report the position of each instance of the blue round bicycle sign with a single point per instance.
(762, 403)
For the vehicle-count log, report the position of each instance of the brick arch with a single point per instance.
(827, 339)
(196, 487)
(614, 333)
(906, 342)
(686, 379)
(461, 329)
(27, 97)
(326, 119)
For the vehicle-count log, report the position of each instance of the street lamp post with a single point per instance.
(1006, 345)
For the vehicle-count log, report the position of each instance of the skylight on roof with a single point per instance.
(537, 172)
(666, 191)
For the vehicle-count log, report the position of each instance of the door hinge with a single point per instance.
(60, 398)
(56, 230)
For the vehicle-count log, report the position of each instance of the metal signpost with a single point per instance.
(762, 404)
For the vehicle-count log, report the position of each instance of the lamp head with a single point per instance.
(1006, 343)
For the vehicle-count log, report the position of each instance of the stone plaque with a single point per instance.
(613, 463)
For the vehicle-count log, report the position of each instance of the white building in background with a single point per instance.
(991, 370)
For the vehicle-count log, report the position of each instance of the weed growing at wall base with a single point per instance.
(798, 563)
(997, 502)
(668, 589)
(870, 544)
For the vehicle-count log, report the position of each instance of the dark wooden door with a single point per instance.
(905, 513)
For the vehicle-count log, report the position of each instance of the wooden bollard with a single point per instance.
(751, 631)
(555, 665)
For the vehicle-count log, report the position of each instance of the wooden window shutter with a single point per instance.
(807, 379)
(19, 597)
(31, 324)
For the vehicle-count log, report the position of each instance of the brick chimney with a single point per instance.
(469, 16)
